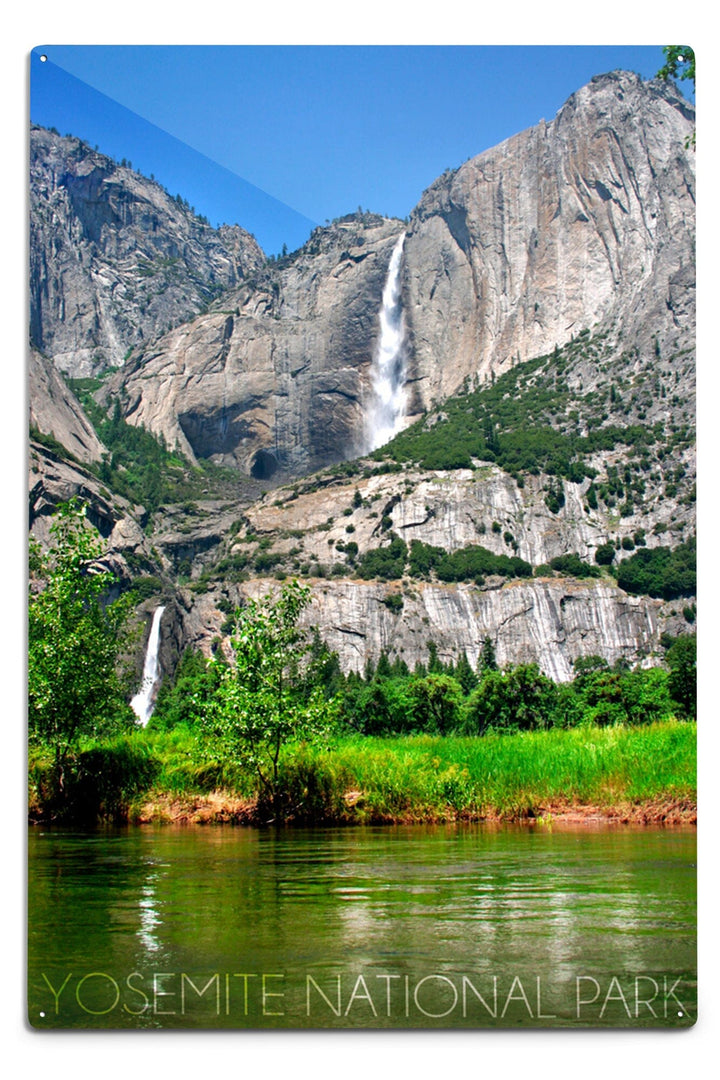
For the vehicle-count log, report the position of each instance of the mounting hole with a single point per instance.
(43, 58)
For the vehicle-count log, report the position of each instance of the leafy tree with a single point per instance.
(381, 707)
(518, 698)
(679, 63)
(262, 701)
(605, 554)
(573, 564)
(184, 700)
(386, 563)
(75, 640)
(682, 683)
(660, 571)
(437, 699)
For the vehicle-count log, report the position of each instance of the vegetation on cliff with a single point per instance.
(248, 721)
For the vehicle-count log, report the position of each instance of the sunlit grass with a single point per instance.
(422, 777)
(513, 774)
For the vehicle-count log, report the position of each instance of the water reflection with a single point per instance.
(385, 904)
(149, 919)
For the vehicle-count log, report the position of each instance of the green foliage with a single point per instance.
(572, 564)
(682, 683)
(464, 673)
(437, 702)
(138, 465)
(75, 639)
(386, 563)
(99, 781)
(555, 497)
(471, 563)
(516, 699)
(487, 661)
(605, 554)
(615, 696)
(182, 701)
(422, 777)
(660, 572)
(50, 443)
(145, 586)
(380, 706)
(394, 602)
(679, 63)
(527, 421)
(262, 702)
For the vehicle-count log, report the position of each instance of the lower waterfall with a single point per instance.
(143, 702)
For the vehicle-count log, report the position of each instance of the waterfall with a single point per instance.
(388, 372)
(143, 702)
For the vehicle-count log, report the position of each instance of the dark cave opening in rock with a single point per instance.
(264, 465)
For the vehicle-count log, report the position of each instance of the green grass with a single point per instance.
(508, 775)
(432, 778)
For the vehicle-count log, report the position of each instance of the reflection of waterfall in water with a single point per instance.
(149, 917)
(142, 703)
(388, 373)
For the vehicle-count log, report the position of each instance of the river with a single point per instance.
(395, 927)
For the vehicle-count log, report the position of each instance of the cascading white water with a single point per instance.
(142, 704)
(388, 373)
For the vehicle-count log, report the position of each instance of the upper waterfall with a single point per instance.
(389, 370)
(142, 703)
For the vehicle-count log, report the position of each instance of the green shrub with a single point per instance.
(146, 586)
(605, 554)
(99, 782)
(572, 564)
(386, 563)
(660, 572)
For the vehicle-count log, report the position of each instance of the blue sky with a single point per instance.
(278, 138)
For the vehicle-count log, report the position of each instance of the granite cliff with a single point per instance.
(547, 289)
(588, 219)
(582, 222)
(114, 259)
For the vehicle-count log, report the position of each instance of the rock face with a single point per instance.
(548, 622)
(452, 510)
(54, 410)
(583, 222)
(276, 380)
(578, 233)
(588, 219)
(54, 480)
(114, 259)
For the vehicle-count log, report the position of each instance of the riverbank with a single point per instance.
(635, 775)
(224, 808)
